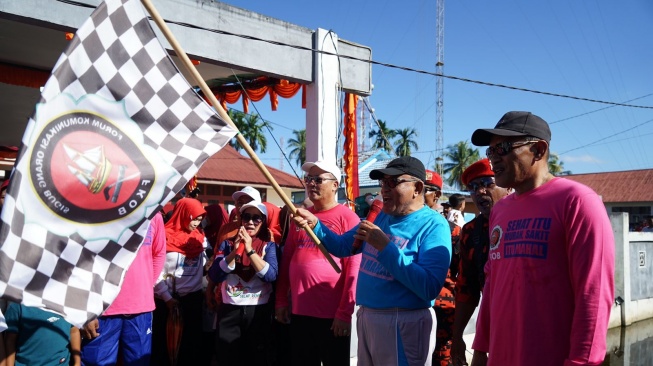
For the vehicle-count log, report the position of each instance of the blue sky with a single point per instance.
(599, 50)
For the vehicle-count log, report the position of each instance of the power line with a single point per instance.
(605, 138)
(597, 110)
(405, 68)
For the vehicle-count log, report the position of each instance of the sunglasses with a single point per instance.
(392, 182)
(503, 148)
(318, 180)
(246, 217)
(431, 189)
(484, 182)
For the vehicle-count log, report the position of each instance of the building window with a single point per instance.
(298, 197)
(229, 190)
(213, 190)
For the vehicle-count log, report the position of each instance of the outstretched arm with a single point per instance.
(75, 346)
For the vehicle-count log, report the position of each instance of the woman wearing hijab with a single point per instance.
(180, 283)
(245, 267)
(216, 216)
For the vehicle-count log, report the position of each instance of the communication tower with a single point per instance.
(439, 88)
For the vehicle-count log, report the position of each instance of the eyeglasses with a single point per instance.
(484, 182)
(392, 182)
(431, 189)
(246, 217)
(318, 180)
(503, 148)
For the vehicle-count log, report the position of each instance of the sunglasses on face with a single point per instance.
(485, 182)
(431, 189)
(503, 148)
(246, 217)
(392, 182)
(318, 180)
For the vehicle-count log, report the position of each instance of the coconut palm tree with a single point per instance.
(238, 118)
(252, 127)
(256, 132)
(382, 136)
(405, 142)
(557, 166)
(298, 146)
(461, 156)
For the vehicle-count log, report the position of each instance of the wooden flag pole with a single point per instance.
(221, 112)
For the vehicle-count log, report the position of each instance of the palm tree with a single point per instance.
(238, 118)
(460, 155)
(298, 146)
(404, 142)
(252, 128)
(256, 133)
(382, 136)
(557, 166)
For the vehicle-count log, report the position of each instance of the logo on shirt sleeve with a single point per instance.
(495, 237)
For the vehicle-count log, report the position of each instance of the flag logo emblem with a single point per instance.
(106, 176)
(88, 165)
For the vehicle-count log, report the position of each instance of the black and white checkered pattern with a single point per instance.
(115, 55)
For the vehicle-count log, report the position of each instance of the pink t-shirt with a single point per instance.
(550, 278)
(316, 289)
(137, 292)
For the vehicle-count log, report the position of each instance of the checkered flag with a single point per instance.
(117, 132)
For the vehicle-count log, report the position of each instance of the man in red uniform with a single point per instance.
(444, 303)
(474, 242)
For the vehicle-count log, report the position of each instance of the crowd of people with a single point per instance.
(252, 288)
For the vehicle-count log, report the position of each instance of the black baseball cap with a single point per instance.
(403, 165)
(514, 124)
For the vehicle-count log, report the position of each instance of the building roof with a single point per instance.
(626, 186)
(228, 165)
(368, 161)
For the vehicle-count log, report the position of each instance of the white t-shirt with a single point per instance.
(456, 217)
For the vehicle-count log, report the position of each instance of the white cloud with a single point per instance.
(581, 159)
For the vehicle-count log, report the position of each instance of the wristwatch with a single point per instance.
(251, 253)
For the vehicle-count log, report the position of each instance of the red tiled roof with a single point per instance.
(228, 165)
(627, 186)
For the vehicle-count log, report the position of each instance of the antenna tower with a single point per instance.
(439, 88)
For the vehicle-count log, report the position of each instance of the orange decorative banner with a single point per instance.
(351, 147)
(257, 89)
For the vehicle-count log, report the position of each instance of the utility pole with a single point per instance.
(362, 123)
(439, 88)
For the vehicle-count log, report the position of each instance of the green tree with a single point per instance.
(405, 142)
(557, 166)
(460, 156)
(251, 126)
(298, 147)
(382, 136)
(238, 118)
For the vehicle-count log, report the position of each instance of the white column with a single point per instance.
(619, 222)
(323, 100)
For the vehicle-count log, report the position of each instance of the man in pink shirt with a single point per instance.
(549, 284)
(127, 323)
(322, 300)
